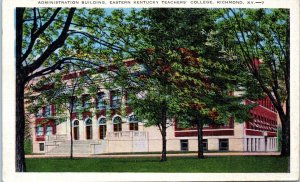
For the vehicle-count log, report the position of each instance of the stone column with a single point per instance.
(263, 144)
(250, 144)
(245, 144)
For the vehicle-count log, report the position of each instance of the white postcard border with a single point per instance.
(8, 108)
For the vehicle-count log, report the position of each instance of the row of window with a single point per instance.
(205, 126)
(266, 103)
(46, 111)
(261, 127)
(117, 123)
(100, 103)
(223, 145)
(263, 120)
(117, 127)
(48, 130)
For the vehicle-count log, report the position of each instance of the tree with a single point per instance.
(45, 40)
(64, 90)
(156, 105)
(205, 87)
(162, 41)
(260, 39)
(166, 36)
(201, 86)
(162, 34)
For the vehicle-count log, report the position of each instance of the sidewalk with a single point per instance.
(158, 155)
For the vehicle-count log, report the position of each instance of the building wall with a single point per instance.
(237, 136)
(152, 141)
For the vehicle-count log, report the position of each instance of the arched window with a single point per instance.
(76, 129)
(88, 122)
(117, 121)
(102, 127)
(102, 121)
(89, 129)
(133, 122)
(75, 123)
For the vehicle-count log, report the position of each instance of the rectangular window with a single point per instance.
(205, 125)
(42, 146)
(85, 101)
(49, 130)
(47, 111)
(205, 144)
(75, 103)
(134, 126)
(100, 104)
(117, 127)
(39, 131)
(184, 145)
(223, 144)
(115, 98)
(38, 114)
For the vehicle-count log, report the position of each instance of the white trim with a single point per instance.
(74, 121)
(113, 118)
(127, 118)
(88, 118)
(98, 121)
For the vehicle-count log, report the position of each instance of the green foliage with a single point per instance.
(262, 34)
(28, 146)
(183, 67)
(61, 93)
(260, 39)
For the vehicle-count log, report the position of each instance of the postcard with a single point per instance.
(150, 90)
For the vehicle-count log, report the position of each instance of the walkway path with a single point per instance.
(158, 155)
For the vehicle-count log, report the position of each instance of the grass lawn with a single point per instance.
(152, 164)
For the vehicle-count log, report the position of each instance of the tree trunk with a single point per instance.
(164, 147)
(71, 129)
(164, 135)
(200, 139)
(71, 136)
(20, 123)
(285, 137)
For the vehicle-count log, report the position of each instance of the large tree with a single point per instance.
(174, 77)
(206, 88)
(260, 38)
(46, 39)
(187, 58)
(160, 33)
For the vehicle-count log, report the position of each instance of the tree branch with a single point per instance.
(19, 36)
(53, 46)
(36, 33)
(102, 42)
